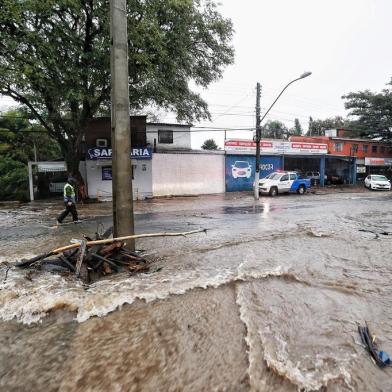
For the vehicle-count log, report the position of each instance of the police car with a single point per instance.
(284, 182)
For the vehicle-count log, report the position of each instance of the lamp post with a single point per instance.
(258, 128)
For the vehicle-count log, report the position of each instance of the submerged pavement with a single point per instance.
(267, 300)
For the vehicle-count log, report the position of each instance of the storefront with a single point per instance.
(381, 166)
(274, 155)
(99, 172)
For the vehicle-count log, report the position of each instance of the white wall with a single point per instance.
(102, 189)
(181, 136)
(188, 173)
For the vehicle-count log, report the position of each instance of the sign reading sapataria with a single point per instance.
(106, 153)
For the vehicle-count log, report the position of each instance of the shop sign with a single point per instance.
(361, 169)
(378, 161)
(106, 153)
(275, 147)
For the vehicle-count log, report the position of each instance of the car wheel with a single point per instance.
(273, 191)
(301, 190)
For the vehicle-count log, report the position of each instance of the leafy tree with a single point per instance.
(297, 129)
(318, 127)
(55, 60)
(274, 130)
(18, 137)
(371, 112)
(210, 144)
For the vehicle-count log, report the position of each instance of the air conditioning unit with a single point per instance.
(102, 143)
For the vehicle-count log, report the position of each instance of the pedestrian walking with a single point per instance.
(69, 201)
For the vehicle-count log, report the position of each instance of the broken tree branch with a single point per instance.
(135, 236)
(26, 263)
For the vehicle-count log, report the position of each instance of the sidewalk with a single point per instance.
(338, 189)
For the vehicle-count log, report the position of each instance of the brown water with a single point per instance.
(268, 300)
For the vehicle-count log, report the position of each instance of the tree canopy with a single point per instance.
(210, 144)
(371, 113)
(275, 130)
(297, 129)
(20, 140)
(55, 60)
(318, 127)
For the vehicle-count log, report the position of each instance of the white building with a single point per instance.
(165, 167)
(164, 136)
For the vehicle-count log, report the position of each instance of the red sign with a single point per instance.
(276, 146)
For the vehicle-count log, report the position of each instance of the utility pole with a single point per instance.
(121, 130)
(258, 138)
(258, 128)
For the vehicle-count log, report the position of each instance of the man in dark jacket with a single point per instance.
(69, 201)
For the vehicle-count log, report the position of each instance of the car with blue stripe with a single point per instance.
(284, 182)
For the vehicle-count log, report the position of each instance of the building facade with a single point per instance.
(169, 137)
(361, 156)
(274, 155)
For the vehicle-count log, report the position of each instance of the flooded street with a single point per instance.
(268, 300)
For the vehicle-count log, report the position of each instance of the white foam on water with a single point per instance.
(268, 346)
(28, 302)
(306, 379)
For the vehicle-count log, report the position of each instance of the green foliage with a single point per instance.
(371, 113)
(14, 181)
(297, 129)
(55, 60)
(318, 127)
(18, 136)
(210, 144)
(274, 130)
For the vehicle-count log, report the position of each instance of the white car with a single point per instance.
(376, 181)
(241, 169)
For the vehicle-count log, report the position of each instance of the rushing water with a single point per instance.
(268, 300)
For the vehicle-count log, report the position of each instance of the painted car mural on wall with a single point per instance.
(241, 169)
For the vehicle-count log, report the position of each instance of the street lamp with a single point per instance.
(258, 127)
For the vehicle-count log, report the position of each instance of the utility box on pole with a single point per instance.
(121, 133)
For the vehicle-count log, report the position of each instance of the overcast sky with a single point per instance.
(346, 44)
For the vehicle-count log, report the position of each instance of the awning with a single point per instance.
(52, 167)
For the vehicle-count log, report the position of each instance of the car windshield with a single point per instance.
(379, 178)
(241, 164)
(274, 176)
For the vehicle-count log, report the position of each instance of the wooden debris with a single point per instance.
(89, 259)
(82, 253)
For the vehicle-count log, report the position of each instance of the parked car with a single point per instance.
(376, 181)
(241, 169)
(284, 182)
(56, 187)
(314, 177)
(334, 179)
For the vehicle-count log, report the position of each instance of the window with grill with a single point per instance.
(165, 137)
(374, 148)
(355, 148)
(365, 148)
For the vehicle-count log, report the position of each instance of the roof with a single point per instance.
(347, 139)
(168, 124)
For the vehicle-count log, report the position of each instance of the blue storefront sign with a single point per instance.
(106, 153)
(240, 170)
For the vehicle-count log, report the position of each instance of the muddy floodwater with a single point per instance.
(268, 300)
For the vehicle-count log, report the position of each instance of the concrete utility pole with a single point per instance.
(121, 129)
(258, 138)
